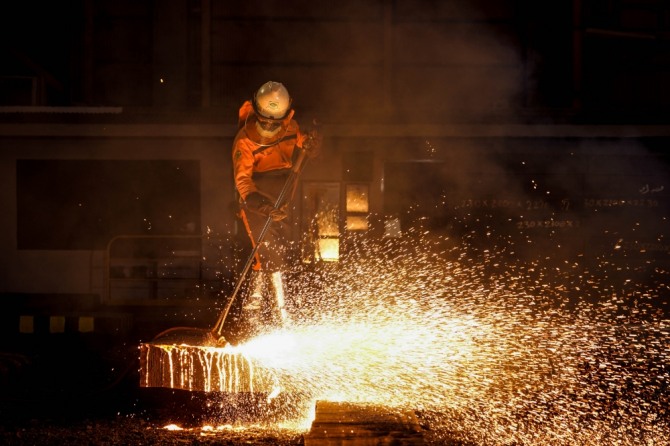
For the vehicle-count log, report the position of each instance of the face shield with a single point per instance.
(264, 131)
(272, 113)
(268, 125)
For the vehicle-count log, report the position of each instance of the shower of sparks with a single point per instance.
(486, 347)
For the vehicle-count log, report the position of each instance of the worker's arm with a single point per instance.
(252, 198)
(311, 140)
(243, 166)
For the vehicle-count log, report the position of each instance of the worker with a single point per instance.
(267, 144)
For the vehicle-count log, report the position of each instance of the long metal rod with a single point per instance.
(290, 181)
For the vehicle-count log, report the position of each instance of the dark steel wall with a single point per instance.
(372, 60)
(531, 118)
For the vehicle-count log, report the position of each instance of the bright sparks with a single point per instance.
(486, 348)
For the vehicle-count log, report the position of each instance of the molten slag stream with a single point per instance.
(487, 349)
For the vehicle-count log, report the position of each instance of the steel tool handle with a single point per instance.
(288, 185)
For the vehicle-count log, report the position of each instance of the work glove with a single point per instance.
(313, 142)
(264, 206)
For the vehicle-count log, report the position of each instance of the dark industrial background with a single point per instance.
(538, 120)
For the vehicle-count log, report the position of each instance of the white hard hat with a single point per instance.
(272, 101)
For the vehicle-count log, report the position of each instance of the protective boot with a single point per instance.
(253, 304)
(277, 286)
(254, 300)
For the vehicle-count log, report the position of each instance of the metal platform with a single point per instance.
(353, 424)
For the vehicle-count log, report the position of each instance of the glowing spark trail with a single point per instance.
(487, 350)
(486, 347)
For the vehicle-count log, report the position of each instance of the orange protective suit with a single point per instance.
(263, 165)
(252, 155)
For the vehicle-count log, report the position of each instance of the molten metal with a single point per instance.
(199, 368)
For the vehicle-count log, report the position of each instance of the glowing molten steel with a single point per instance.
(201, 368)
